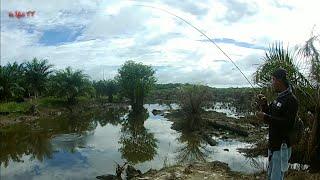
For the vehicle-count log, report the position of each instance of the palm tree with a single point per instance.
(106, 88)
(11, 81)
(70, 84)
(36, 73)
(309, 52)
(306, 87)
(136, 80)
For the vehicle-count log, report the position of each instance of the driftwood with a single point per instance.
(209, 140)
(119, 171)
(228, 126)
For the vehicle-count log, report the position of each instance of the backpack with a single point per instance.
(296, 132)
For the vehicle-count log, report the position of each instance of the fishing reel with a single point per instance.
(260, 102)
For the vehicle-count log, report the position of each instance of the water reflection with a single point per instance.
(137, 143)
(19, 140)
(84, 145)
(66, 132)
(113, 115)
(193, 148)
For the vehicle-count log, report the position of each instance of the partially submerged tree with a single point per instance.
(135, 80)
(192, 100)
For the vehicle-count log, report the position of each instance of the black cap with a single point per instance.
(280, 73)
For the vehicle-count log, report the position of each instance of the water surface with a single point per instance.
(73, 147)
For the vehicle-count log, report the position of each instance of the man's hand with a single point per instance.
(260, 115)
(261, 102)
(261, 99)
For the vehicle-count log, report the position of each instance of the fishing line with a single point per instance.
(194, 27)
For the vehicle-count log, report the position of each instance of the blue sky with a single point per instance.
(98, 36)
(59, 35)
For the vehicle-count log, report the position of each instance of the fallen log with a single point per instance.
(209, 140)
(228, 126)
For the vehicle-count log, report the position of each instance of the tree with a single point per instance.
(136, 80)
(106, 88)
(312, 56)
(111, 89)
(192, 100)
(99, 87)
(70, 84)
(36, 73)
(11, 81)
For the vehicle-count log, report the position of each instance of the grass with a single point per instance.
(46, 102)
(13, 107)
(50, 102)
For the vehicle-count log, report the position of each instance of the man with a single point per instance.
(280, 115)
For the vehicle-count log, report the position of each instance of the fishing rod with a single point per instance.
(201, 32)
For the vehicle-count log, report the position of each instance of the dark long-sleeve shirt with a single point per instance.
(281, 115)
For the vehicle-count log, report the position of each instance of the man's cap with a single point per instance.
(280, 73)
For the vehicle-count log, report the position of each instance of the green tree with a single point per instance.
(71, 84)
(136, 80)
(111, 89)
(106, 88)
(311, 54)
(99, 87)
(192, 100)
(11, 81)
(36, 74)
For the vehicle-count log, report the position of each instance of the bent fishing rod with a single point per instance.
(201, 32)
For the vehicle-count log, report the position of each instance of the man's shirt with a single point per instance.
(281, 115)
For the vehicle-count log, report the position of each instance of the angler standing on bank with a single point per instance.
(280, 115)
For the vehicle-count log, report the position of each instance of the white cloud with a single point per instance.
(115, 31)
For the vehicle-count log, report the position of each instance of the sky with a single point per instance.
(99, 36)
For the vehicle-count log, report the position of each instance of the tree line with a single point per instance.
(37, 78)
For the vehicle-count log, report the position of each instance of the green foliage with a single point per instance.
(136, 80)
(70, 84)
(312, 55)
(106, 88)
(277, 57)
(50, 102)
(36, 75)
(192, 100)
(12, 107)
(11, 81)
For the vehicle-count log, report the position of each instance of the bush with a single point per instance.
(192, 100)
